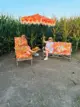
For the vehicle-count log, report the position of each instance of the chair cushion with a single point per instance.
(62, 48)
(21, 48)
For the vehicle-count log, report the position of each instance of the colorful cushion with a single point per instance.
(62, 48)
(21, 48)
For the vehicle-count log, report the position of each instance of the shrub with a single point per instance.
(8, 29)
(67, 30)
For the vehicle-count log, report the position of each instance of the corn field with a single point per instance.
(67, 30)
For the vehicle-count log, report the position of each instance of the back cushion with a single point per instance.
(20, 42)
(62, 48)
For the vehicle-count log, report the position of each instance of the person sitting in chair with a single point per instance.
(29, 51)
(49, 47)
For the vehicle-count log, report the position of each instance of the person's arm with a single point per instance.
(44, 41)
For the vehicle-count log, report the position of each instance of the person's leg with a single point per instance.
(47, 53)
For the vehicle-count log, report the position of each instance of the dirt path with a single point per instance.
(52, 83)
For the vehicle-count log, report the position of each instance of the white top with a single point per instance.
(49, 45)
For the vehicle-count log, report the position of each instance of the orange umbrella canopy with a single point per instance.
(37, 19)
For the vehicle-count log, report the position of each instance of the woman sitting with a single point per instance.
(25, 42)
(49, 47)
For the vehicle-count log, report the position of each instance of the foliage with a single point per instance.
(8, 29)
(67, 30)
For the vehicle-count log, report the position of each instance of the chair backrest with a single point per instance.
(20, 42)
(21, 48)
(62, 48)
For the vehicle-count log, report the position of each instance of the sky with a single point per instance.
(50, 8)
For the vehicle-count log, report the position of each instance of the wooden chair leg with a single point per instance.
(17, 63)
(70, 58)
(31, 62)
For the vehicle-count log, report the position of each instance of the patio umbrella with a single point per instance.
(37, 19)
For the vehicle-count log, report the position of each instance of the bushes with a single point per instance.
(65, 30)
(69, 30)
(8, 29)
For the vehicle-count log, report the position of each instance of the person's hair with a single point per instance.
(23, 35)
(50, 38)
